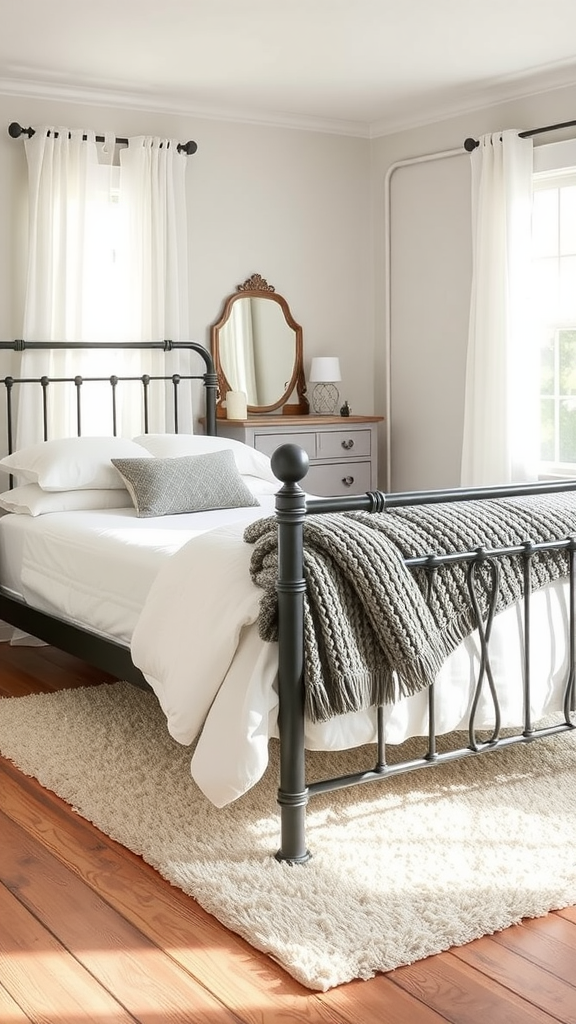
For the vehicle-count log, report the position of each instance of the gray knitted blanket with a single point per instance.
(371, 633)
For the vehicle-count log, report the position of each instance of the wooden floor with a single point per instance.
(89, 932)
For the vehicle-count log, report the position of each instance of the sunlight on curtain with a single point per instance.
(501, 411)
(154, 253)
(62, 178)
(107, 262)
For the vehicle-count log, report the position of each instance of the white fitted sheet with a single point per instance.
(95, 568)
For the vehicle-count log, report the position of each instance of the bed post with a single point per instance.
(290, 465)
(210, 380)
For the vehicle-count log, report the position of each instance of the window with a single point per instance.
(554, 298)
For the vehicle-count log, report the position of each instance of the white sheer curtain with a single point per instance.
(62, 178)
(152, 202)
(107, 261)
(501, 414)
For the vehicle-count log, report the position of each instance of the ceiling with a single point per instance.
(359, 67)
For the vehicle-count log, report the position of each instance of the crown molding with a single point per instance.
(176, 105)
(505, 90)
(441, 108)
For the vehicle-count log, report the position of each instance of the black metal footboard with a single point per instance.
(290, 465)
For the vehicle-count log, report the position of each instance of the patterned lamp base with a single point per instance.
(325, 399)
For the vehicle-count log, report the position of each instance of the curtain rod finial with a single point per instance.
(187, 147)
(15, 130)
(470, 145)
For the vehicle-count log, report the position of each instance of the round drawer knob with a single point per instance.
(348, 481)
(348, 445)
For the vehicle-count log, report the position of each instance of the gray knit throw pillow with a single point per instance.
(190, 483)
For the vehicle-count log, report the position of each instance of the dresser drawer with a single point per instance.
(343, 453)
(268, 443)
(338, 478)
(335, 444)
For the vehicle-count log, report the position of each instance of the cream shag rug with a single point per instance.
(400, 870)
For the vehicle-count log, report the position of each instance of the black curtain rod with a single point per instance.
(470, 144)
(15, 130)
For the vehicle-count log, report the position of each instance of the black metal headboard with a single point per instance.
(208, 378)
(109, 655)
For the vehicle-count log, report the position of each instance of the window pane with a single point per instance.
(568, 220)
(567, 357)
(554, 310)
(547, 430)
(568, 430)
(545, 222)
(567, 309)
(547, 366)
(545, 289)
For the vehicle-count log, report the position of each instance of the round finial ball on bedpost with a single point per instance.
(290, 463)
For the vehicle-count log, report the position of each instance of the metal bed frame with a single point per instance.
(108, 655)
(290, 464)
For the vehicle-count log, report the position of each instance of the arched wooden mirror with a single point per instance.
(257, 348)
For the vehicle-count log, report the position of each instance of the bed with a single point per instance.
(222, 612)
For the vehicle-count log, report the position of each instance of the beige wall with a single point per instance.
(430, 274)
(291, 205)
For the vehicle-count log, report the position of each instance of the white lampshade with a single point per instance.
(325, 369)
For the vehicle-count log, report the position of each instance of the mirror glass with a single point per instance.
(257, 349)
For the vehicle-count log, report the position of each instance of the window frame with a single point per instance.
(547, 176)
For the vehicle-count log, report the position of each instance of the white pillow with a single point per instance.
(248, 461)
(31, 500)
(258, 486)
(72, 463)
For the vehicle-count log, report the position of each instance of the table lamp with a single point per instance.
(324, 371)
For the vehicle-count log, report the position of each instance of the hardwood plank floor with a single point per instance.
(90, 933)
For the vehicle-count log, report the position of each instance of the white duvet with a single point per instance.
(179, 588)
(224, 689)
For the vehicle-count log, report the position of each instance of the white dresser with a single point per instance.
(343, 451)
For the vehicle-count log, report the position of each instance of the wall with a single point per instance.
(291, 205)
(430, 274)
(306, 210)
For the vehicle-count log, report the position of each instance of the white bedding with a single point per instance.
(96, 568)
(192, 624)
(241, 703)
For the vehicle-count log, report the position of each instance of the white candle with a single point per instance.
(236, 405)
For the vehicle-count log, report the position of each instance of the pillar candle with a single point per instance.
(236, 405)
